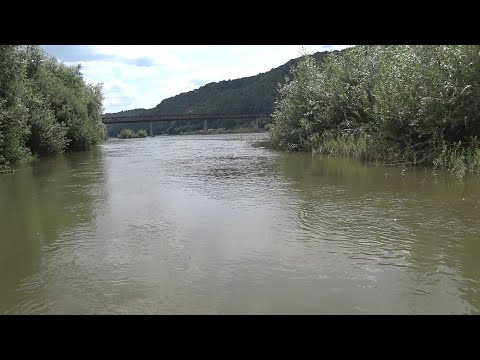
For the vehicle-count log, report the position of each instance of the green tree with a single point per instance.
(13, 126)
(403, 103)
(46, 107)
(294, 117)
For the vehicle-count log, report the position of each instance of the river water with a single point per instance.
(210, 224)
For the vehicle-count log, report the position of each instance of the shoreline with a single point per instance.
(200, 132)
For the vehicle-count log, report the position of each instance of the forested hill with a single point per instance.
(249, 95)
(134, 112)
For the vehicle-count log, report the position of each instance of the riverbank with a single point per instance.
(128, 134)
(32, 123)
(226, 131)
(459, 159)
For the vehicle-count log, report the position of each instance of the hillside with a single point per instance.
(249, 95)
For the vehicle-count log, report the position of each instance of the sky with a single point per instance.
(141, 76)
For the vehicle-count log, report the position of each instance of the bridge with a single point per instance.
(157, 118)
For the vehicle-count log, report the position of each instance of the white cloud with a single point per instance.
(141, 76)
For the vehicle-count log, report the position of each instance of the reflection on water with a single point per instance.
(39, 204)
(210, 224)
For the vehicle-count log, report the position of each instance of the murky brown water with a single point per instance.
(212, 225)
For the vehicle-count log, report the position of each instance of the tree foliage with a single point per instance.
(46, 107)
(406, 98)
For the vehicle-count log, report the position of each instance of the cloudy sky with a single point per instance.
(141, 76)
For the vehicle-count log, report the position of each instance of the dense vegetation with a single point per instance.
(46, 107)
(395, 104)
(129, 134)
(250, 95)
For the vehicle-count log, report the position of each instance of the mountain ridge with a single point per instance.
(247, 95)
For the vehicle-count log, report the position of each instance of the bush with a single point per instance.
(142, 133)
(388, 103)
(127, 134)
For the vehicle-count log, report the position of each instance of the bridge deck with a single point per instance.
(157, 118)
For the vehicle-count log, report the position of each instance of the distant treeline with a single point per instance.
(46, 107)
(395, 104)
(188, 126)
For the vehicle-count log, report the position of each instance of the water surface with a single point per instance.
(209, 224)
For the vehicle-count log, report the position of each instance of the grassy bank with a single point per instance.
(459, 159)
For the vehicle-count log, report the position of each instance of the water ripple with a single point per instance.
(210, 224)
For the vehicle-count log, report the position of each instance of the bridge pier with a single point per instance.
(256, 123)
(205, 128)
(151, 129)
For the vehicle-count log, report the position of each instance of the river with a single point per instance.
(209, 224)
